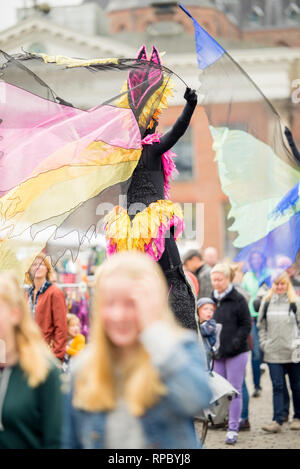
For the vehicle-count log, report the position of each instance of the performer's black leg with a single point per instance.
(181, 297)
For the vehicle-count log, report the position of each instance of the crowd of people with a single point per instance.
(239, 302)
(140, 369)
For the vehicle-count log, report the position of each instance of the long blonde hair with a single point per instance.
(95, 382)
(33, 355)
(291, 294)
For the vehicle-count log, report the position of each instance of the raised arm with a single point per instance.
(173, 135)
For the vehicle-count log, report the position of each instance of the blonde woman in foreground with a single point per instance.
(141, 380)
(30, 396)
(278, 324)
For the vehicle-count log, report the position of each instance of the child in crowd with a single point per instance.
(208, 326)
(75, 340)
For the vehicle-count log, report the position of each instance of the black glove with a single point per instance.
(190, 96)
(288, 135)
(291, 142)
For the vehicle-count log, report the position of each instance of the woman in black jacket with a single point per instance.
(231, 360)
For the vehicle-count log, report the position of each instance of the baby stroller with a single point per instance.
(222, 392)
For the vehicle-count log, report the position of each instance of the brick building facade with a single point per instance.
(215, 21)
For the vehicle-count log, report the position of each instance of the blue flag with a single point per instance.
(208, 50)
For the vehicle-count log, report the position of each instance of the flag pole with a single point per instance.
(185, 11)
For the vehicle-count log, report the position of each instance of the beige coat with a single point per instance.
(278, 331)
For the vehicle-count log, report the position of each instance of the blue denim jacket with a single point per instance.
(170, 422)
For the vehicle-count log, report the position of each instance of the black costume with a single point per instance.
(147, 186)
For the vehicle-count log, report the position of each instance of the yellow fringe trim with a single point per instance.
(135, 235)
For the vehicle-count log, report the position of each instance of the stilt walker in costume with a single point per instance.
(62, 158)
(151, 222)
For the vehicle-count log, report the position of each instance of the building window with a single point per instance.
(235, 125)
(282, 44)
(293, 11)
(185, 156)
(121, 28)
(257, 14)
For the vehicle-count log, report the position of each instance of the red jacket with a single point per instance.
(51, 316)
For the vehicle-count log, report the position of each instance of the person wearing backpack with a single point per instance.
(278, 325)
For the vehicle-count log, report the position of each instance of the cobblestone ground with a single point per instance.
(260, 413)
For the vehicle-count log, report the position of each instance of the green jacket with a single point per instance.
(30, 417)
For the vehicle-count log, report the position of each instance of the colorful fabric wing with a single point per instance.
(56, 157)
(289, 202)
(252, 198)
(257, 169)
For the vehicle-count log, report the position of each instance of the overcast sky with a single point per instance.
(8, 9)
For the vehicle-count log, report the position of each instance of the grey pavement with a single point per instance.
(260, 413)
